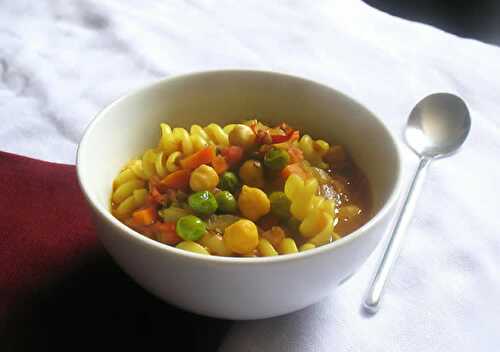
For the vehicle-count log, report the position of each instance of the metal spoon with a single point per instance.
(436, 128)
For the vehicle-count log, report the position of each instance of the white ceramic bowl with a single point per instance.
(236, 288)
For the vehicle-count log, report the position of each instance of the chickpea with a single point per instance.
(253, 203)
(203, 178)
(243, 136)
(252, 173)
(241, 237)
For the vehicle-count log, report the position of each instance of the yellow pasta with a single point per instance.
(215, 244)
(131, 203)
(123, 177)
(126, 189)
(172, 161)
(316, 213)
(266, 249)
(228, 128)
(140, 196)
(217, 135)
(177, 139)
(129, 192)
(136, 167)
(287, 246)
(183, 139)
(198, 138)
(306, 247)
(126, 207)
(314, 150)
(152, 163)
(167, 141)
(192, 247)
(300, 193)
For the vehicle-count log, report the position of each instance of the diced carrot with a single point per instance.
(233, 154)
(295, 154)
(176, 180)
(165, 232)
(220, 164)
(145, 216)
(296, 169)
(203, 156)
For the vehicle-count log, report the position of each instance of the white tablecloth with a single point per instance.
(61, 61)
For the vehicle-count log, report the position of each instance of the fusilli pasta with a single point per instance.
(129, 192)
(313, 150)
(315, 212)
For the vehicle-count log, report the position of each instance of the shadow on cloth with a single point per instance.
(99, 306)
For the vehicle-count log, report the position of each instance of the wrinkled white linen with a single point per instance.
(62, 61)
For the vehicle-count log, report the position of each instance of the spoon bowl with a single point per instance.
(438, 125)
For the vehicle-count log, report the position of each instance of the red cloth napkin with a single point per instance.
(58, 287)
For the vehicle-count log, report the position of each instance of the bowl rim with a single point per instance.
(214, 259)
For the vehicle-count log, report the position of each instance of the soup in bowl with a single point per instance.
(239, 194)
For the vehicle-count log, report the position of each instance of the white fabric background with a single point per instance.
(61, 61)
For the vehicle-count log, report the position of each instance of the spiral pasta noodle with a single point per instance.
(129, 192)
(314, 150)
(179, 139)
(315, 212)
(153, 163)
(217, 135)
(175, 144)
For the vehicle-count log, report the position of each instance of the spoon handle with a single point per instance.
(372, 298)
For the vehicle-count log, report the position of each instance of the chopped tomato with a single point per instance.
(290, 136)
(296, 169)
(279, 138)
(176, 180)
(165, 232)
(155, 197)
(232, 154)
(220, 164)
(145, 216)
(203, 156)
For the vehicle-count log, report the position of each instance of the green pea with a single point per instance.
(293, 225)
(280, 205)
(203, 202)
(276, 159)
(190, 228)
(229, 182)
(226, 202)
